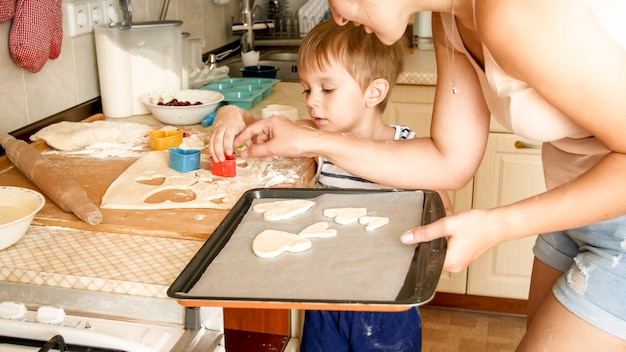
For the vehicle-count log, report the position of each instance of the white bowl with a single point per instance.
(182, 115)
(18, 207)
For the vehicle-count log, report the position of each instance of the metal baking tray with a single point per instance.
(355, 270)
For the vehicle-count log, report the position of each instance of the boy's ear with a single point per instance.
(377, 91)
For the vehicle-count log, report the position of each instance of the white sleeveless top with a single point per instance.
(330, 175)
(521, 110)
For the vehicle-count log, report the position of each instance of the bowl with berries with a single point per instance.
(182, 107)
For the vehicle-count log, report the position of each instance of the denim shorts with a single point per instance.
(593, 259)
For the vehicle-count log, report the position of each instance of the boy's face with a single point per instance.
(334, 99)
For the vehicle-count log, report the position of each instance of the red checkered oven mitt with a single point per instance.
(7, 9)
(36, 33)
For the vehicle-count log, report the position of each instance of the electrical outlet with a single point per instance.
(96, 13)
(109, 11)
(78, 18)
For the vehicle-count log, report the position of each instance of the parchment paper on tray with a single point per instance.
(356, 266)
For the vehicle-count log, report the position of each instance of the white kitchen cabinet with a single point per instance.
(412, 105)
(510, 171)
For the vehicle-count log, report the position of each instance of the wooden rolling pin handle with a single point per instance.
(59, 187)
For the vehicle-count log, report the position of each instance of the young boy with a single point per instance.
(347, 75)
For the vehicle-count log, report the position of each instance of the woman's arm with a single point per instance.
(229, 122)
(585, 83)
(447, 160)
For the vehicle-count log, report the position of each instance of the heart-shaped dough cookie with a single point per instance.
(272, 243)
(283, 209)
(318, 230)
(345, 216)
(372, 223)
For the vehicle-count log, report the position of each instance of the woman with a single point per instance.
(553, 71)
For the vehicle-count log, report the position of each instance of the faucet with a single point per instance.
(127, 13)
(247, 40)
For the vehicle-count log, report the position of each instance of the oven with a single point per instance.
(40, 318)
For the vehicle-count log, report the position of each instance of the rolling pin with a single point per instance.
(59, 187)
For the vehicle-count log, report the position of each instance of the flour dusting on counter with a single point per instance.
(150, 184)
(104, 150)
(135, 147)
(280, 172)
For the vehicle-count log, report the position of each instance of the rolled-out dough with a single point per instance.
(68, 136)
(150, 183)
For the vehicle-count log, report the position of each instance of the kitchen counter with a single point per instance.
(96, 261)
(115, 272)
(79, 257)
(138, 264)
(420, 68)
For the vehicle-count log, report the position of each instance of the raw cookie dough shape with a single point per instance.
(372, 223)
(283, 209)
(318, 230)
(345, 216)
(272, 243)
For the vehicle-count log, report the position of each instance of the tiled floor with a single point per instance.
(447, 330)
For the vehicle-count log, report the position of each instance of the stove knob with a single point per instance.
(50, 315)
(12, 310)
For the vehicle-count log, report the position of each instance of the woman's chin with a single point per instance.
(322, 124)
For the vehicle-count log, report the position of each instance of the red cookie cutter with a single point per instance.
(226, 168)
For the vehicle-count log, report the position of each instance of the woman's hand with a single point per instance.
(470, 234)
(228, 123)
(276, 135)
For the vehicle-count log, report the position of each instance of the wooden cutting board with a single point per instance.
(97, 174)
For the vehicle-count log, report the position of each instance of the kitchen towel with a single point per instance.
(7, 10)
(36, 33)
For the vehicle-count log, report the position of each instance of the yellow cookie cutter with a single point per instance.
(163, 140)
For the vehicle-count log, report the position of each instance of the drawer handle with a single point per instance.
(524, 145)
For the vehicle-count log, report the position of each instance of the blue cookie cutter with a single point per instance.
(184, 160)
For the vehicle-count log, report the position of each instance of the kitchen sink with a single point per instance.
(286, 61)
(281, 56)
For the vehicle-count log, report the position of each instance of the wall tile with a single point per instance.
(13, 112)
(72, 78)
(85, 68)
(52, 89)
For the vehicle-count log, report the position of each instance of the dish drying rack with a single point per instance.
(311, 14)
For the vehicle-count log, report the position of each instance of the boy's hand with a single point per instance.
(228, 123)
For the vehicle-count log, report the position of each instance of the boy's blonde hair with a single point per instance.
(362, 54)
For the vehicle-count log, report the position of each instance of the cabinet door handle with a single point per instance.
(524, 145)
